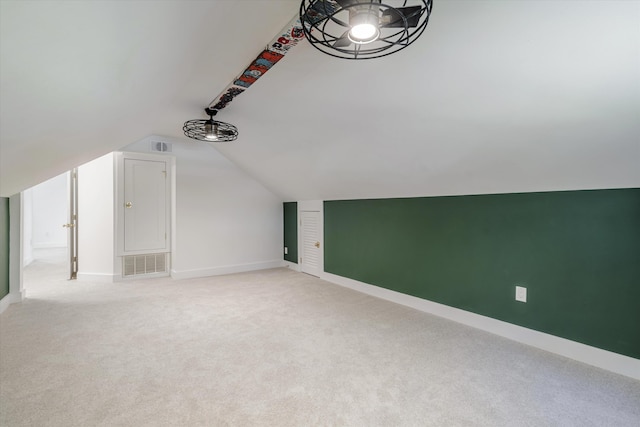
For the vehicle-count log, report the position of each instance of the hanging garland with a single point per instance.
(289, 37)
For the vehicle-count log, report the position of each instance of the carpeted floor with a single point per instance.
(276, 348)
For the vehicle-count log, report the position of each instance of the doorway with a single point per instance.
(49, 218)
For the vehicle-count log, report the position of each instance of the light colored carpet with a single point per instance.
(276, 348)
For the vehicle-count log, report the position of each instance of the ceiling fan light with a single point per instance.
(364, 33)
(363, 29)
(364, 26)
(210, 131)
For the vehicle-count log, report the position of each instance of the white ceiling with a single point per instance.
(496, 96)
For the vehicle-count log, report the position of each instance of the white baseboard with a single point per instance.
(5, 302)
(96, 277)
(18, 296)
(227, 269)
(11, 298)
(117, 278)
(27, 261)
(291, 265)
(594, 356)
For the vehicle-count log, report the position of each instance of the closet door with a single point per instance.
(310, 231)
(145, 206)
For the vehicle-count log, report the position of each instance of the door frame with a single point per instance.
(313, 206)
(72, 223)
(17, 292)
(119, 158)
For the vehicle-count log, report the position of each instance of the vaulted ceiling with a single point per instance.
(496, 96)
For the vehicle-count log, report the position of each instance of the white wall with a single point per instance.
(95, 219)
(225, 221)
(49, 205)
(27, 227)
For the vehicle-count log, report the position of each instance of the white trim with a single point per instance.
(5, 302)
(173, 215)
(96, 277)
(291, 265)
(604, 359)
(16, 255)
(112, 278)
(141, 276)
(227, 269)
(169, 162)
(9, 299)
(19, 296)
(310, 205)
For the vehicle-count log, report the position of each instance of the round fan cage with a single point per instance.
(326, 25)
(197, 129)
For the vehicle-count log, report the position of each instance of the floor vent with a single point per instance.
(135, 265)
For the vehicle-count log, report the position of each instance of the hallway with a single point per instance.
(47, 273)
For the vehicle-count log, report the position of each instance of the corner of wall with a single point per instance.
(226, 269)
(291, 266)
(5, 302)
(16, 290)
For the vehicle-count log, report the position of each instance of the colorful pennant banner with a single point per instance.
(289, 37)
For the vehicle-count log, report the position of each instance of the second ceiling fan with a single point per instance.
(363, 29)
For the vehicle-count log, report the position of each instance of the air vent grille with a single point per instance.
(161, 147)
(134, 265)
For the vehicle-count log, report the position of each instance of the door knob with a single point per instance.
(67, 225)
(317, 245)
(128, 205)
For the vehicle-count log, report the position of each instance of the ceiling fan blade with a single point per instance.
(345, 3)
(343, 41)
(392, 18)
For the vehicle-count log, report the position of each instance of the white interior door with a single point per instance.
(145, 206)
(310, 258)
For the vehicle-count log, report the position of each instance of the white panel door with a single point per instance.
(145, 205)
(310, 230)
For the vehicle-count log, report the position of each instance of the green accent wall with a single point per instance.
(577, 252)
(4, 247)
(291, 231)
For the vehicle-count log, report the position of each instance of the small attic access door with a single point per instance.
(143, 213)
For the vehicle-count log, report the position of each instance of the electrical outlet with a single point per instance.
(286, 250)
(521, 294)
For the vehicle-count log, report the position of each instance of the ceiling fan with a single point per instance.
(362, 29)
(210, 130)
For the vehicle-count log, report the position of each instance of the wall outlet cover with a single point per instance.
(521, 294)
